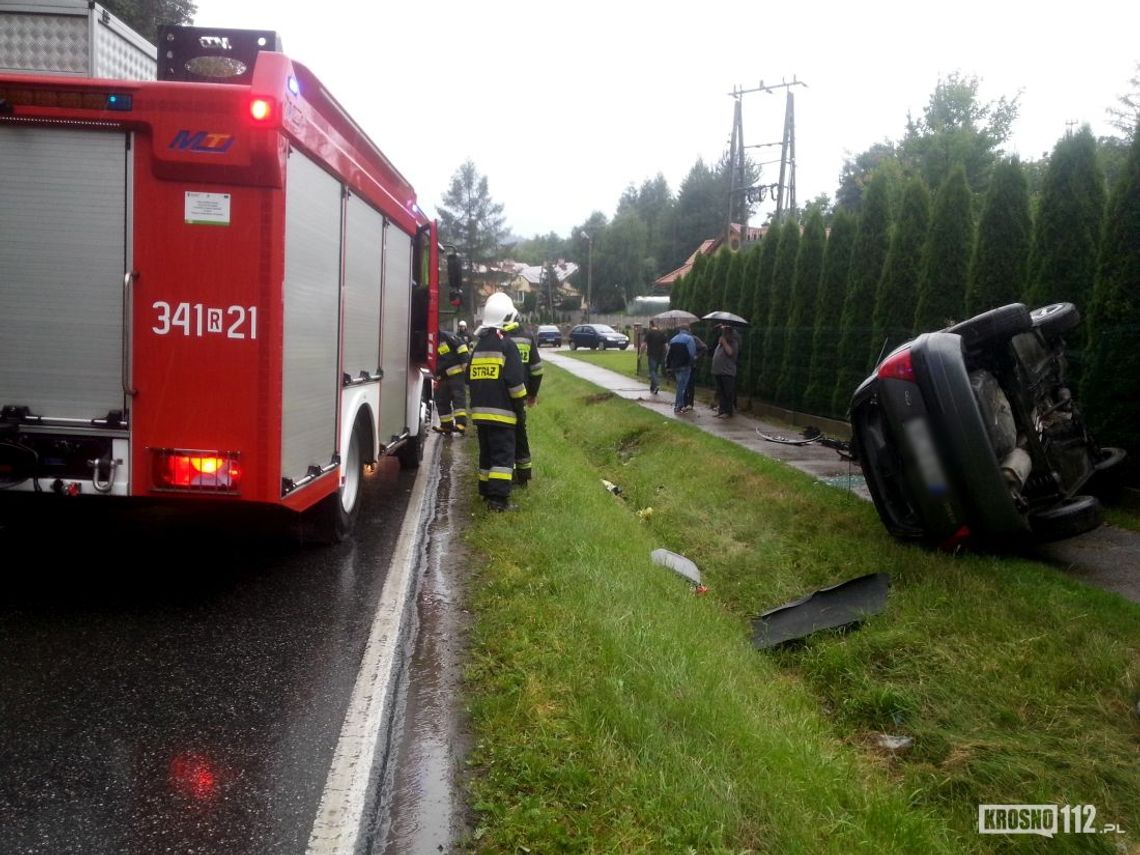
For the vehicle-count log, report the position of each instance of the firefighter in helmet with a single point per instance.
(464, 335)
(498, 394)
(532, 374)
(450, 385)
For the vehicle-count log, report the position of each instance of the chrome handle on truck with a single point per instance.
(128, 279)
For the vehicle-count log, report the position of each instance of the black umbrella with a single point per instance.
(726, 318)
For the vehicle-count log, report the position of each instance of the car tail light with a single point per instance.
(897, 366)
(950, 544)
(202, 471)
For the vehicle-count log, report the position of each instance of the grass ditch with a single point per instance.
(614, 711)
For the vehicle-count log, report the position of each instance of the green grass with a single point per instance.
(621, 361)
(614, 711)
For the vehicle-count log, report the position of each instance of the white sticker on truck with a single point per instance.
(207, 209)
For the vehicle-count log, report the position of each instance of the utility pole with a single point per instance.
(589, 273)
(737, 166)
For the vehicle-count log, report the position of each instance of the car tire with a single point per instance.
(1056, 319)
(573, 345)
(996, 325)
(955, 416)
(1068, 519)
(624, 346)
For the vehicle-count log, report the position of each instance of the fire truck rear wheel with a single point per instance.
(411, 453)
(332, 519)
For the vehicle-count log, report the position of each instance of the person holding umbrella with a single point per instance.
(724, 361)
(655, 346)
(725, 358)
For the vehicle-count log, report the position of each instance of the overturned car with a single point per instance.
(971, 434)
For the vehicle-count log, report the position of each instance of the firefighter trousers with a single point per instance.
(522, 451)
(496, 460)
(451, 402)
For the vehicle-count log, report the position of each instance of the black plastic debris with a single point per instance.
(840, 605)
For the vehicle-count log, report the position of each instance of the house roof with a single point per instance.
(708, 247)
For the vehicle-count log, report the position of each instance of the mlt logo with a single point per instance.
(202, 141)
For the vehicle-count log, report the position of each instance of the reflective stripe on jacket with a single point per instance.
(495, 377)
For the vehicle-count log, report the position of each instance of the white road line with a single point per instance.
(339, 820)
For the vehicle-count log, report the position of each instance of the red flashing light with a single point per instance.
(210, 471)
(897, 366)
(261, 109)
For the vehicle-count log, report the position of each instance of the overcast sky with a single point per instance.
(561, 106)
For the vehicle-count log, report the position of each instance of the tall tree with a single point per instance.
(146, 16)
(619, 255)
(761, 288)
(1066, 235)
(946, 259)
(796, 363)
(897, 292)
(956, 129)
(828, 312)
(1125, 116)
(700, 210)
(470, 219)
(783, 279)
(856, 174)
(1111, 390)
(1001, 252)
(1062, 262)
(867, 258)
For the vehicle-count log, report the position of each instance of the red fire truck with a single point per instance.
(213, 286)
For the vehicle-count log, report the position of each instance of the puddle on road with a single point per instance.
(426, 813)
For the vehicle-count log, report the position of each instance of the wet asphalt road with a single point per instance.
(176, 682)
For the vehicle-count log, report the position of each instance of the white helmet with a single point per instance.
(500, 311)
(462, 326)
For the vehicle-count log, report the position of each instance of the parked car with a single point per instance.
(548, 334)
(971, 434)
(597, 337)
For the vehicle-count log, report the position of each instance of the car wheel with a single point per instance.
(573, 345)
(599, 345)
(995, 325)
(624, 346)
(1071, 517)
(956, 418)
(1056, 319)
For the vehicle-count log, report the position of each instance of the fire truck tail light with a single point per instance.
(200, 471)
(261, 109)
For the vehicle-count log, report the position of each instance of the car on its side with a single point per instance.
(548, 334)
(971, 434)
(597, 337)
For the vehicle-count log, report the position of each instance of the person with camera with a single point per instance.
(724, 360)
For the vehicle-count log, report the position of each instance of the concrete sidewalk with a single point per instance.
(1106, 557)
(817, 460)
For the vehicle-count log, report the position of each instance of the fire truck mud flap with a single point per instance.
(17, 464)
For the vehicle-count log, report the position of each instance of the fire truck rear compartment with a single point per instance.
(63, 257)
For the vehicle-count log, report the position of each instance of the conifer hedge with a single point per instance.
(1001, 252)
(946, 260)
(828, 312)
(783, 275)
(897, 294)
(796, 362)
